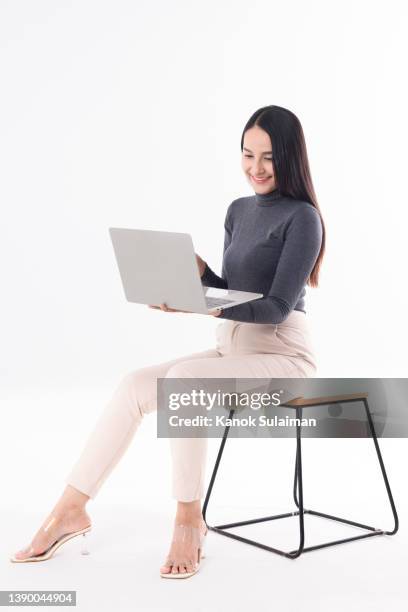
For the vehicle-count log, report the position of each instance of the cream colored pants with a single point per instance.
(243, 350)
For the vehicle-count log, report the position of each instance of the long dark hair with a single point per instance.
(290, 162)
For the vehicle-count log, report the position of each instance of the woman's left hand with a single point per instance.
(168, 309)
(216, 313)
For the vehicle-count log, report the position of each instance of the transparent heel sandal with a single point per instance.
(48, 553)
(85, 538)
(185, 537)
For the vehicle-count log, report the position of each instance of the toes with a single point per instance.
(173, 568)
(24, 552)
(166, 568)
(183, 568)
(19, 555)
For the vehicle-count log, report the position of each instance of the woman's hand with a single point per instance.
(201, 265)
(216, 313)
(168, 309)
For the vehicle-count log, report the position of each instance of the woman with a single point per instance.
(274, 244)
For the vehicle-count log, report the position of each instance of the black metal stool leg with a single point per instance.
(384, 473)
(215, 470)
(295, 483)
(299, 486)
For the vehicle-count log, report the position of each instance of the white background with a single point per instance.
(130, 114)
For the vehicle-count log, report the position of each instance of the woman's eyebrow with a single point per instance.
(263, 153)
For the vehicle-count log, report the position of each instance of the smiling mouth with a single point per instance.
(260, 180)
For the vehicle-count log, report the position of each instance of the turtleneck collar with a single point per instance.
(265, 199)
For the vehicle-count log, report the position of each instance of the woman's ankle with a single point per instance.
(73, 499)
(189, 512)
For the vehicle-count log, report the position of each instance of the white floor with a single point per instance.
(132, 516)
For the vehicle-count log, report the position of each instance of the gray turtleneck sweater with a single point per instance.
(271, 245)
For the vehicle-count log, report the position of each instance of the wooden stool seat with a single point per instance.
(322, 401)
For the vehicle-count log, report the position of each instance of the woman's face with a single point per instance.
(257, 160)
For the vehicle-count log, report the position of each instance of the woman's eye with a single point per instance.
(265, 158)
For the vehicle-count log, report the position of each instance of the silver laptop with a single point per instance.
(160, 267)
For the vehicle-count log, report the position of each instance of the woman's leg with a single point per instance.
(188, 473)
(135, 396)
(188, 454)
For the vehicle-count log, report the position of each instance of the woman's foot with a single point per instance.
(183, 554)
(57, 524)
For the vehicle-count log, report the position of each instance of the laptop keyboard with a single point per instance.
(213, 302)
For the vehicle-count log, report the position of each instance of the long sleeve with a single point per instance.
(210, 278)
(299, 254)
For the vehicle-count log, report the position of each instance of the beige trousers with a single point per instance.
(242, 350)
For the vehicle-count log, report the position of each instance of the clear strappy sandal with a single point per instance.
(185, 534)
(47, 554)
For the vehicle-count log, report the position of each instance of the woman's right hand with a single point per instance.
(201, 265)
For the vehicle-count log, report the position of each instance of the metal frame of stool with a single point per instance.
(299, 404)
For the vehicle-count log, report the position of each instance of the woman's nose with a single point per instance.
(257, 167)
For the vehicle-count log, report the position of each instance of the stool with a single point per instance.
(298, 404)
